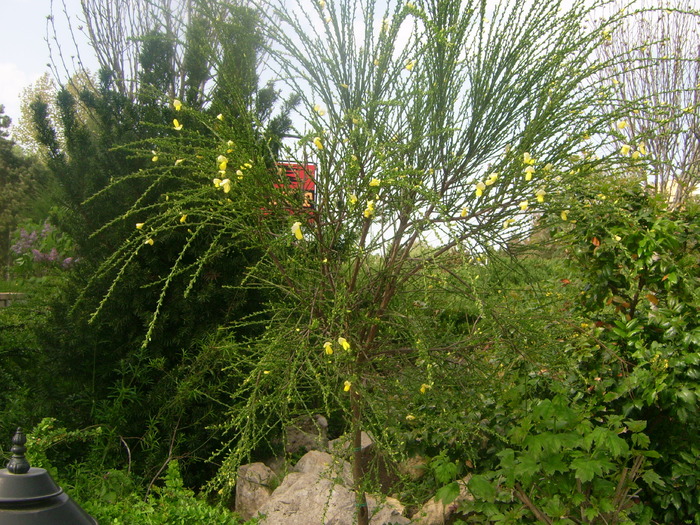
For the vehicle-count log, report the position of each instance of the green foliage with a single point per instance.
(170, 503)
(160, 396)
(21, 178)
(112, 495)
(565, 459)
(639, 266)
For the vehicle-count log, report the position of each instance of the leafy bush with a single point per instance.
(116, 496)
(639, 266)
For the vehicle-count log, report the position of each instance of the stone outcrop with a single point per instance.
(253, 488)
(318, 491)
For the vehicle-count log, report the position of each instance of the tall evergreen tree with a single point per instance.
(107, 370)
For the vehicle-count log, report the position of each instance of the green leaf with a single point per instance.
(481, 488)
(652, 478)
(686, 395)
(636, 425)
(448, 493)
(586, 468)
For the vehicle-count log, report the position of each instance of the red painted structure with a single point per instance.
(300, 178)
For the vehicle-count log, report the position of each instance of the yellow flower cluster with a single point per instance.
(639, 152)
(225, 184)
(344, 344)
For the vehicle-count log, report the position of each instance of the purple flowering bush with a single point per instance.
(38, 249)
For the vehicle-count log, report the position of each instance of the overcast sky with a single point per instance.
(24, 54)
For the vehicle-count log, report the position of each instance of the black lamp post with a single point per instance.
(29, 496)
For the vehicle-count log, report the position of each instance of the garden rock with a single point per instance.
(318, 491)
(307, 433)
(435, 512)
(253, 488)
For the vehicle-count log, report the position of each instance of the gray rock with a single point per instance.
(318, 492)
(306, 433)
(253, 488)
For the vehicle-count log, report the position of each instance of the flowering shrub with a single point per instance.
(38, 249)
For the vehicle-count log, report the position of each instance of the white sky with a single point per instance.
(24, 53)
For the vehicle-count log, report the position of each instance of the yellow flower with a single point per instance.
(222, 162)
(229, 143)
(410, 65)
(564, 215)
(369, 210)
(636, 155)
(318, 109)
(296, 230)
(179, 161)
(410, 417)
(493, 177)
(480, 187)
(376, 62)
(220, 116)
(528, 173)
(177, 125)
(226, 185)
(346, 386)
(183, 218)
(328, 347)
(139, 225)
(527, 159)
(322, 4)
(524, 205)
(318, 143)
(642, 148)
(344, 343)
(625, 149)
(508, 222)
(239, 174)
(540, 195)
(177, 105)
(155, 156)
(622, 124)
(375, 182)
(217, 182)
(352, 199)
(148, 241)
(425, 387)
(464, 212)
